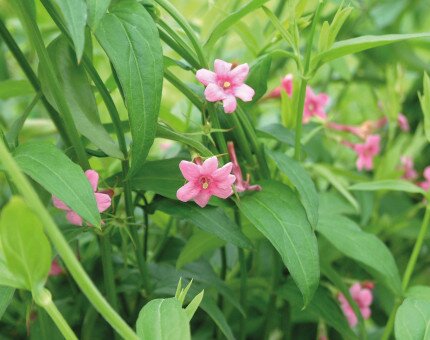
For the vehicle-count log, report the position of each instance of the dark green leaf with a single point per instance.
(302, 181)
(96, 10)
(48, 166)
(277, 213)
(15, 88)
(129, 36)
(257, 78)
(278, 132)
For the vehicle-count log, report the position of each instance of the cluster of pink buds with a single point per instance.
(363, 296)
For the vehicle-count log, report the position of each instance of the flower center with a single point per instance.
(205, 181)
(226, 85)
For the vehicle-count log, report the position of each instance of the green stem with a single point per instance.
(243, 279)
(108, 270)
(271, 306)
(63, 248)
(390, 324)
(304, 83)
(35, 38)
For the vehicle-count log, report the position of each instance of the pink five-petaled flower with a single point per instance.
(367, 151)
(240, 184)
(286, 85)
(314, 105)
(426, 183)
(362, 295)
(226, 84)
(103, 200)
(205, 180)
(407, 166)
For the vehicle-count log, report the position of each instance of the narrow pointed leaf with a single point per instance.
(390, 185)
(194, 304)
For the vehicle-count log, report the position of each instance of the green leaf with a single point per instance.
(390, 185)
(197, 245)
(15, 88)
(278, 214)
(6, 295)
(301, 181)
(257, 78)
(279, 133)
(25, 246)
(130, 38)
(48, 166)
(163, 319)
(413, 320)
(355, 45)
(339, 19)
(210, 307)
(425, 105)
(194, 304)
(210, 219)
(418, 292)
(349, 239)
(96, 10)
(74, 15)
(82, 104)
(7, 278)
(231, 19)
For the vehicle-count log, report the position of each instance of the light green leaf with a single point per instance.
(278, 214)
(82, 104)
(301, 181)
(355, 45)
(279, 133)
(425, 105)
(413, 320)
(96, 10)
(130, 38)
(339, 19)
(15, 88)
(349, 239)
(163, 319)
(210, 219)
(6, 295)
(26, 248)
(194, 304)
(390, 185)
(75, 18)
(418, 292)
(48, 166)
(231, 19)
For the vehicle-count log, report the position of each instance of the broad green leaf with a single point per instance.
(163, 319)
(301, 181)
(75, 17)
(278, 132)
(197, 245)
(96, 10)
(194, 304)
(231, 19)
(418, 292)
(425, 105)
(413, 320)
(349, 239)
(210, 219)
(53, 170)
(15, 88)
(26, 248)
(7, 278)
(323, 306)
(257, 78)
(278, 214)
(129, 37)
(6, 295)
(390, 185)
(355, 45)
(75, 85)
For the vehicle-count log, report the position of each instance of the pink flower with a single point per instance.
(205, 180)
(55, 270)
(286, 85)
(403, 122)
(407, 165)
(367, 151)
(240, 184)
(426, 184)
(314, 105)
(226, 84)
(363, 296)
(103, 200)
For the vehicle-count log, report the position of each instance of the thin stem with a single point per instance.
(271, 307)
(63, 248)
(108, 270)
(243, 279)
(303, 84)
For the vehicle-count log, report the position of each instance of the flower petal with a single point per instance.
(93, 178)
(229, 104)
(222, 172)
(214, 93)
(222, 192)
(74, 218)
(59, 203)
(244, 92)
(202, 199)
(239, 74)
(188, 192)
(222, 68)
(190, 170)
(103, 201)
(209, 166)
(205, 76)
